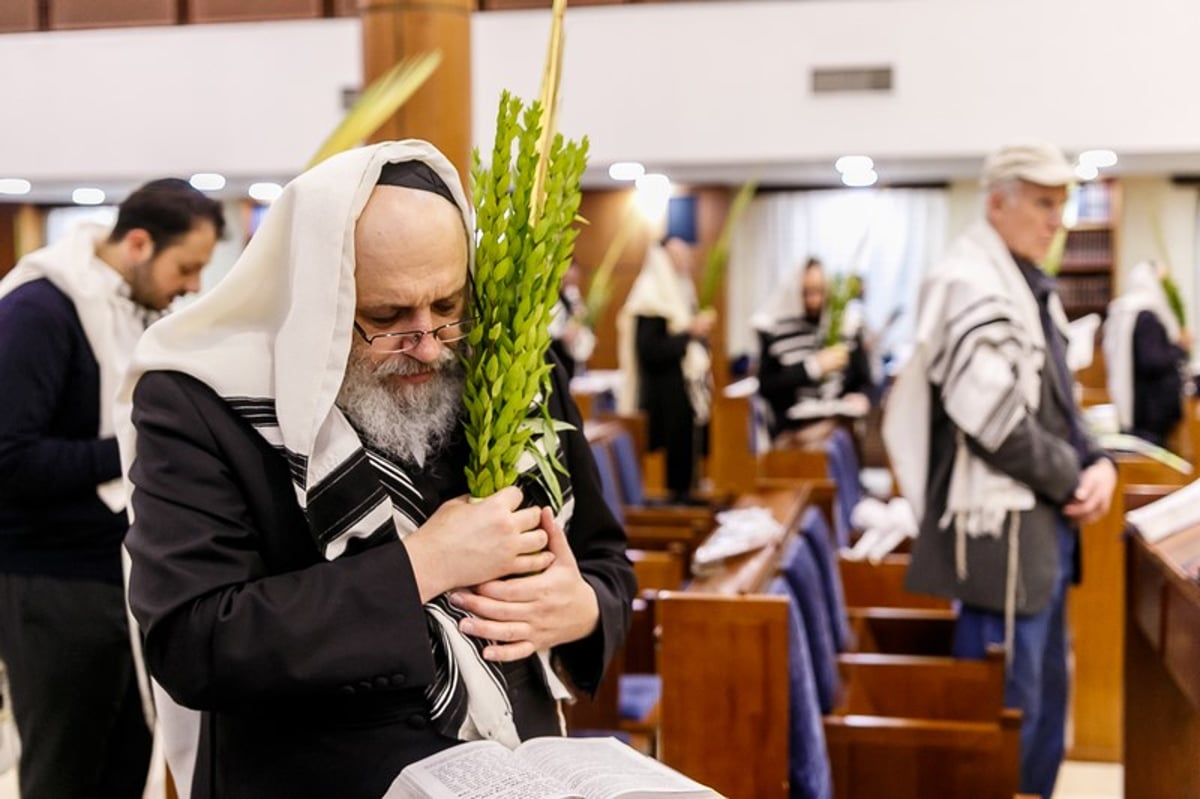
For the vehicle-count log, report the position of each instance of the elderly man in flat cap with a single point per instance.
(987, 442)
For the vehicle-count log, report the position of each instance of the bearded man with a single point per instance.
(70, 316)
(306, 570)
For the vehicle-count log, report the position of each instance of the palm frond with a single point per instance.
(378, 103)
(718, 255)
(551, 79)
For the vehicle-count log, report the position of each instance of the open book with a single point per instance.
(544, 768)
(1173, 513)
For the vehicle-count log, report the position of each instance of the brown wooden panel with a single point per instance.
(906, 758)
(882, 585)
(440, 111)
(1096, 609)
(1147, 599)
(724, 710)
(240, 10)
(18, 15)
(1162, 726)
(923, 687)
(8, 237)
(1181, 641)
(68, 14)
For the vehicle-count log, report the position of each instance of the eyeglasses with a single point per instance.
(411, 339)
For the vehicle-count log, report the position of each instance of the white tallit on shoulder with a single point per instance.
(273, 339)
(1143, 292)
(660, 290)
(108, 317)
(980, 344)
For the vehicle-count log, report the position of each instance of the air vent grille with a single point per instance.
(851, 79)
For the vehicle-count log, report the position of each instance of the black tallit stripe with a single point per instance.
(382, 533)
(964, 344)
(346, 495)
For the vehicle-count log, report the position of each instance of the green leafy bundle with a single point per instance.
(525, 240)
(842, 289)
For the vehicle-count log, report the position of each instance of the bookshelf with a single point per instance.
(1085, 278)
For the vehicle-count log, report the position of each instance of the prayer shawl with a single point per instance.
(661, 291)
(980, 344)
(111, 321)
(273, 339)
(1144, 292)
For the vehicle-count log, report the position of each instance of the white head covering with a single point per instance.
(1143, 292)
(661, 291)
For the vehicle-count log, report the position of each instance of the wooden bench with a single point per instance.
(724, 714)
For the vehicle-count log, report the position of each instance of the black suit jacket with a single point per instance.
(310, 673)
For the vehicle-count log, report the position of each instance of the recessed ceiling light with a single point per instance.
(265, 192)
(854, 163)
(15, 186)
(1086, 171)
(87, 195)
(1101, 159)
(207, 181)
(860, 178)
(626, 170)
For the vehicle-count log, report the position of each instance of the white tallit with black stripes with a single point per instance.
(980, 344)
(273, 339)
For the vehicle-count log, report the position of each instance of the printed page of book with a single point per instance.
(1175, 512)
(605, 768)
(476, 770)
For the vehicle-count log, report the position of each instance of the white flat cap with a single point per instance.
(1033, 161)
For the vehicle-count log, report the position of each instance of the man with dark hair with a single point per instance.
(70, 315)
(320, 603)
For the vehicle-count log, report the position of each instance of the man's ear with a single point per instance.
(138, 245)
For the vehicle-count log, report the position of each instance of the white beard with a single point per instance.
(408, 422)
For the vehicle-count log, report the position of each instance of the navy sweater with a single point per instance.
(51, 460)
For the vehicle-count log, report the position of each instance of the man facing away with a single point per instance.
(70, 315)
(988, 444)
(665, 366)
(306, 570)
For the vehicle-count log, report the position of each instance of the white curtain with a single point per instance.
(889, 237)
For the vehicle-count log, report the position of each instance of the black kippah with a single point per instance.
(414, 175)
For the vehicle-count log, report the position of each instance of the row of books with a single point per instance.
(1088, 248)
(1090, 291)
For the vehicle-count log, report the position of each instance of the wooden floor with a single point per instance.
(1079, 780)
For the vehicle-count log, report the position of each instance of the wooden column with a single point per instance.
(440, 111)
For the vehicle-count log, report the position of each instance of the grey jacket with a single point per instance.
(1038, 453)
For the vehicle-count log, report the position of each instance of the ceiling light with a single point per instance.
(653, 194)
(626, 170)
(265, 192)
(207, 181)
(1086, 171)
(1101, 159)
(15, 186)
(854, 163)
(860, 178)
(87, 195)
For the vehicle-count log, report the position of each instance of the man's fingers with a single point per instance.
(527, 518)
(506, 653)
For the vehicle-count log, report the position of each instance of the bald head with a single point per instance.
(410, 262)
